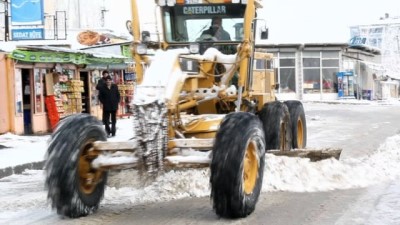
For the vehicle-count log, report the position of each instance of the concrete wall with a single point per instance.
(4, 106)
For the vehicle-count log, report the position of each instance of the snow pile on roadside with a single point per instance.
(281, 174)
(300, 175)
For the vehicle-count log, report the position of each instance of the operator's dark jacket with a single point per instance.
(109, 97)
(220, 34)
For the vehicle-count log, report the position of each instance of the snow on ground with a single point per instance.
(125, 187)
(21, 149)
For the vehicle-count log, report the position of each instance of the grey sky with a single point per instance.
(296, 21)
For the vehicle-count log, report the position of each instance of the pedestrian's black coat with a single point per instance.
(101, 83)
(109, 97)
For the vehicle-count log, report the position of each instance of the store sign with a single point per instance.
(357, 40)
(58, 57)
(27, 34)
(44, 57)
(27, 12)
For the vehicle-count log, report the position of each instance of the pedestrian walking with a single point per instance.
(109, 98)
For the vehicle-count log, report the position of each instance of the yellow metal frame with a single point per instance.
(205, 79)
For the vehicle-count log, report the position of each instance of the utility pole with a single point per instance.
(6, 23)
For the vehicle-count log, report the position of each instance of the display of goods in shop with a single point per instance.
(52, 112)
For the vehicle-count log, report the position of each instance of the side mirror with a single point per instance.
(128, 25)
(264, 33)
(145, 36)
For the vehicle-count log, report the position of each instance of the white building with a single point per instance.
(63, 20)
(384, 35)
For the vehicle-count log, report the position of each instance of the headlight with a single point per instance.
(171, 2)
(141, 49)
(161, 2)
(194, 48)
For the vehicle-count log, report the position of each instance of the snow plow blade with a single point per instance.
(313, 155)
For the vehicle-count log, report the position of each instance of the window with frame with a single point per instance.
(286, 72)
(188, 23)
(330, 67)
(319, 71)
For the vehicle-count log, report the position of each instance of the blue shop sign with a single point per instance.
(357, 40)
(27, 34)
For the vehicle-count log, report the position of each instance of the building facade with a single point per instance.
(310, 71)
(46, 84)
(384, 35)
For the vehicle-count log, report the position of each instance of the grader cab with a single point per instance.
(203, 98)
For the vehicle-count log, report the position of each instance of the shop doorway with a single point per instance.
(84, 77)
(26, 77)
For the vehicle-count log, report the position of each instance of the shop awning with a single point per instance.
(64, 55)
(120, 66)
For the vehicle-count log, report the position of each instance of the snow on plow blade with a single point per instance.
(190, 158)
(313, 154)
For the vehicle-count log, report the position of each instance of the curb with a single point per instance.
(8, 171)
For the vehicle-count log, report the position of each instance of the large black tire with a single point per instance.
(237, 165)
(276, 123)
(298, 124)
(74, 187)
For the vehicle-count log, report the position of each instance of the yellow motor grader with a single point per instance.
(200, 101)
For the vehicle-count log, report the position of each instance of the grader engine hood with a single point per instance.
(162, 79)
(165, 77)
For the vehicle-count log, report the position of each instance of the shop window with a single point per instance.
(320, 71)
(287, 80)
(262, 64)
(330, 54)
(330, 63)
(287, 54)
(311, 62)
(312, 80)
(329, 80)
(286, 69)
(311, 54)
(287, 62)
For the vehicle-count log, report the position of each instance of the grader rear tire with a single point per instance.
(237, 165)
(298, 124)
(276, 123)
(74, 187)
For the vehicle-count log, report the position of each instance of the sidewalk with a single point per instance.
(21, 152)
(18, 153)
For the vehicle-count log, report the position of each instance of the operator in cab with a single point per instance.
(216, 30)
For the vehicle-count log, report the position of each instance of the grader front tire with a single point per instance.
(74, 187)
(237, 165)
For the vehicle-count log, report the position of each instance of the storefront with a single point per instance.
(45, 84)
(123, 75)
(309, 71)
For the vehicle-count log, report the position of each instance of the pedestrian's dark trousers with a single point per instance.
(106, 121)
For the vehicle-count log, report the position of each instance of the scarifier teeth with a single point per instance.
(150, 129)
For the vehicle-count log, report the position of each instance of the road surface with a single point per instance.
(358, 129)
